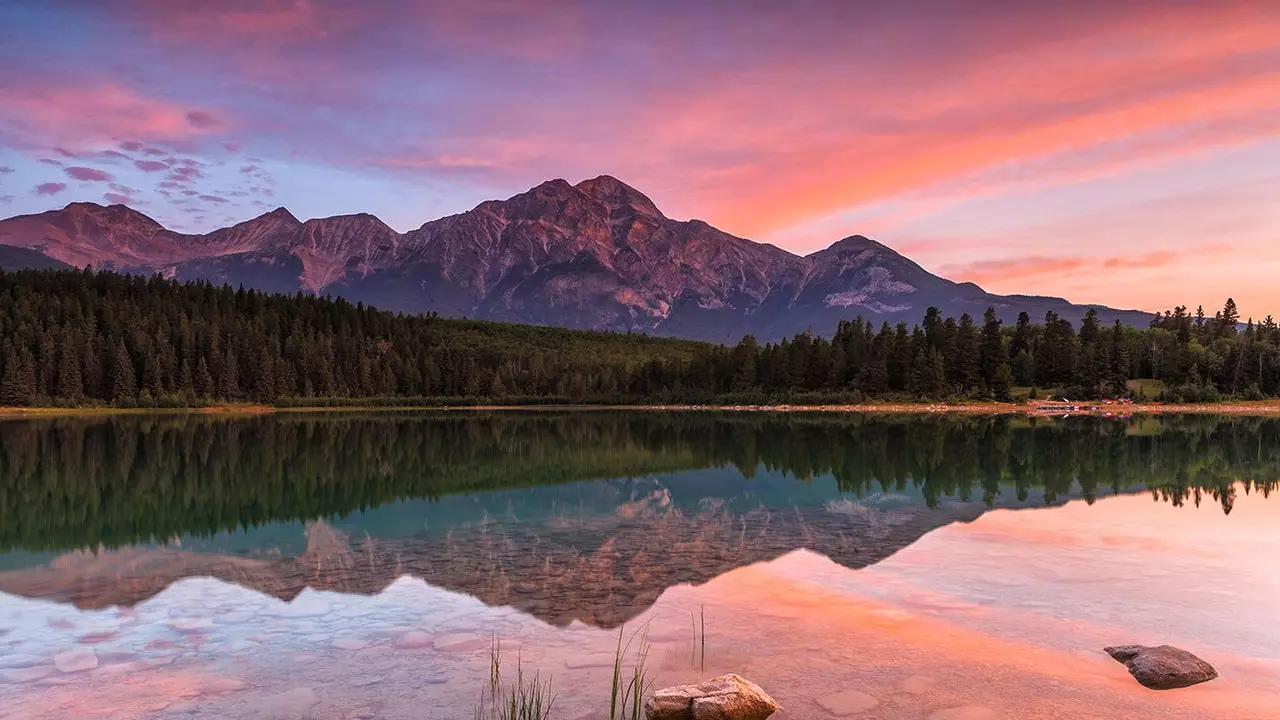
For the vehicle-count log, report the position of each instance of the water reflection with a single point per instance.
(354, 566)
(121, 480)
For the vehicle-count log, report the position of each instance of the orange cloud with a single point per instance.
(836, 141)
(1037, 266)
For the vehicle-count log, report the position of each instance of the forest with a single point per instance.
(83, 338)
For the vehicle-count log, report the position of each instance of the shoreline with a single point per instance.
(1243, 408)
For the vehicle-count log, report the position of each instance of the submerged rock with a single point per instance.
(1164, 667)
(728, 697)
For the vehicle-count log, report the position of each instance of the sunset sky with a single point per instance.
(1121, 152)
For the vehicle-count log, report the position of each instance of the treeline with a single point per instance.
(81, 337)
(80, 482)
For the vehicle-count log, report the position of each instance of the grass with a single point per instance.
(626, 694)
(531, 698)
(522, 699)
(699, 639)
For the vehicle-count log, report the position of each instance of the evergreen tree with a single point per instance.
(124, 380)
(70, 385)
(994, 354)
(204, 379)
(18, 382)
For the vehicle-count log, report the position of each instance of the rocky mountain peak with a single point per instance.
(596, 255)
(113, 214)
(280, 214)
(615, 194)
(853, 244)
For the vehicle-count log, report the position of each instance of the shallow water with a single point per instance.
(346, 566)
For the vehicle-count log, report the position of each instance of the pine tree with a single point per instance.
(968, 355)
(186, 383)
(18, 383)
(229, 378)
(70, 385)
(203, 379)
(994, 354)
(124, 380)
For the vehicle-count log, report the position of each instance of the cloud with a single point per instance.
(190, 193)
(233, 146)
(113, 155)
(185, 174)
(150, 165)
(1040, 266)
(214, 199)
(117, 198)
(76, 172)
(41, 109)
(51, 161)
(5, 170)
(154, 152)
(123, 189)
(6, 199)
(201, 120)
(50, 188)
(249, 169)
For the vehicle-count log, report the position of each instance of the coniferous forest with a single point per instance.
(72, 337)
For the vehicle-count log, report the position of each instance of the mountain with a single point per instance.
(597, 255)
(604, 567)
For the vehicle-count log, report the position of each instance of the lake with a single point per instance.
(348, 565)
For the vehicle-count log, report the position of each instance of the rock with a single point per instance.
(918, 684)
(849, 702)
(75, 661)
(350, 643)
(292, 704)
(414, 640)
(967, 712)
(728, 697)
(1164, 667)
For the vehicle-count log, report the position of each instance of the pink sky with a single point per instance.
(1126, 153)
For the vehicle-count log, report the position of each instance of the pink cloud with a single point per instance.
(249, 169)
(233, 146)
(51, 161)
(113, 155)
(275, 21)
(117, 198)
(130, 146)
(50, 188)
(190, 193)
(150, 165)
(185, 174)
(1039, 266)
(76, 172)
(154, 152)
(201, 120)
(213, 199)
(45, 110)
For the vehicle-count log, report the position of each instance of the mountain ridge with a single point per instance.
(596, 255)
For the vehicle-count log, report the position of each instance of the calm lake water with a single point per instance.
(357, 566)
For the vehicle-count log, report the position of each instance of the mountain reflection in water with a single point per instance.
(346, 565)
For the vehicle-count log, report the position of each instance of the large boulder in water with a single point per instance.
(728, 697)
(1164, 667)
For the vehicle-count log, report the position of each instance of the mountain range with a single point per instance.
(598, 255)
